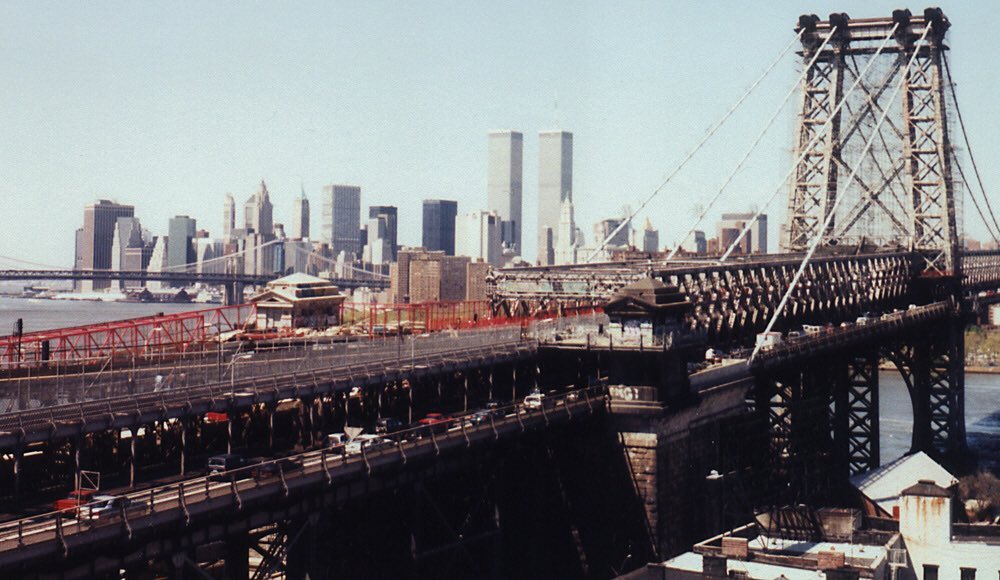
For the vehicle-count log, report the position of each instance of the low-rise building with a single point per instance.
(298, 301)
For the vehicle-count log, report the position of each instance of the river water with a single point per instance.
(982, 391)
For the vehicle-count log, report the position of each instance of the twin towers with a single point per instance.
(555, 188)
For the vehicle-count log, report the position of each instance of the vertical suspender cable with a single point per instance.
(708, 135)
(829, 217)
(756, 142)
(805, 150)
(965, 136)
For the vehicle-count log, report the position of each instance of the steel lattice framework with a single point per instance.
(902, 192)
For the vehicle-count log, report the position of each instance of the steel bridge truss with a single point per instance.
(902, 193)
(826, 401)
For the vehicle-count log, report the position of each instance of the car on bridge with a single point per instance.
(110, 506)
(389, 425)
(73, 500)
(367, 442)
(274, 468)
(436, 422)
(534, 401)
(218, 465)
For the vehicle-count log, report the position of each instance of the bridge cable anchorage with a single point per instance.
(756, 142)
(806, 150)
(829, 218)
(708, 135)
(965, 137)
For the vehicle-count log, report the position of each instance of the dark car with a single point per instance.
(387, 425)
(274, 468)
(217, 464)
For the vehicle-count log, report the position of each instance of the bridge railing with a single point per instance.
(236, 367)
(180, 332)
(333, 463)
(837, 337)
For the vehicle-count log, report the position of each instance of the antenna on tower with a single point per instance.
(555, 111)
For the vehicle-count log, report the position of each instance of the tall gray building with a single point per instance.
(180, 245)
(391, 214)
(97, 238)
(258, 213)
(555, 182)
(228, 217)
(342, 218)
(300, 217)
(732, 224)
(439, 226)
(503, 184)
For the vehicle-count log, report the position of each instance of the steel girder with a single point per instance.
(814, 185)
(928, 159)
(933, 367)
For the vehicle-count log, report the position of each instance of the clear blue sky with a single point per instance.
(170, 106)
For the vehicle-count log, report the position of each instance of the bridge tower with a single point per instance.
(872, 144)
(873, 168)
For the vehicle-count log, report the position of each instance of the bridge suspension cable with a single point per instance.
(753, 146)
(808, 147)
(975, 202)
(45, 266)
(321, 258)
(814, 244)
(968, 147)
(708, 135)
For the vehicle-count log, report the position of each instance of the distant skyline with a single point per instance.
(171, 107)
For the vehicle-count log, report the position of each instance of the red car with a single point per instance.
(74, 500)
(437, 422)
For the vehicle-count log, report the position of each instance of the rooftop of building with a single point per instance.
(884, 485)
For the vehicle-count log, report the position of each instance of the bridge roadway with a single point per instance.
(221, 279)
(214, 504)
(340, 371)
(68, 384)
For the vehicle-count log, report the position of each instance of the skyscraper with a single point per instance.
(258, 212)
(555, 182)
(180, 247)
(300, 217)
(342, 218)
(391, 214)
(650, 238)
(503, 184)
(378, 248)
(97, 238)
(566, 247)
(732, 224)
(439, 225)
(605, 227)
(477, 235)
(228, 217)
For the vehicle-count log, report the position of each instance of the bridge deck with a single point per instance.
(35, 541)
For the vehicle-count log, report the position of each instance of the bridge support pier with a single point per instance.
(933, 368)
(856, 417)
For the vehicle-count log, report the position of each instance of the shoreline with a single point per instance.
(969, 369)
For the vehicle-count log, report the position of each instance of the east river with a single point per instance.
(982, 391)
